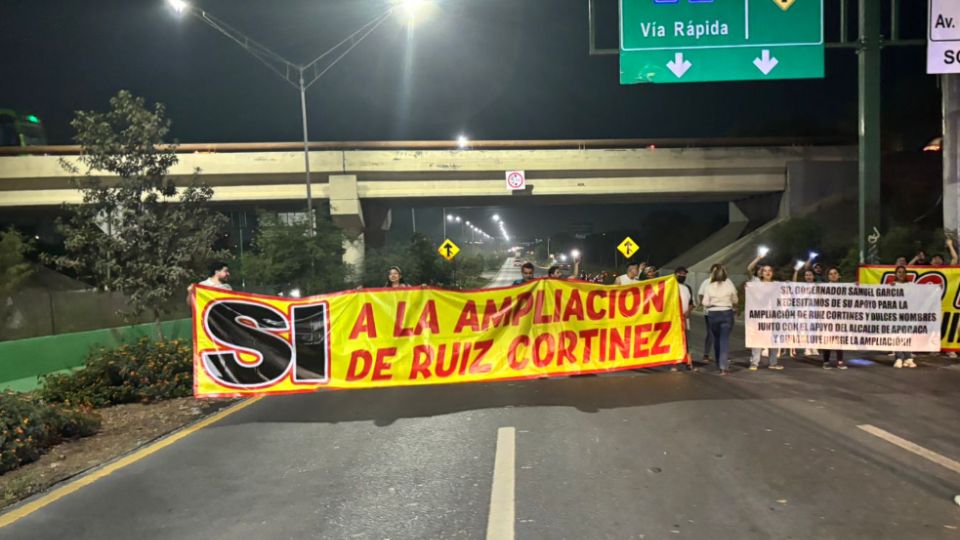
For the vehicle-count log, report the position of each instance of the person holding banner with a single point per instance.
(937, 260)
(833, 276)
(809, 276)
(903, 359)
(765, 276)
(395, 278)
(719, 299)
(526, 273)
(633, 270)
(217, 278)
(686, 302)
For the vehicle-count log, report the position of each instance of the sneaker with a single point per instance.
(951, 355)
(841, 365)
(898, 364)
(777, 367)
(753, 368)
(909, 363)
(673, 369)
(724, 373)
(826, 365)
(891, 354)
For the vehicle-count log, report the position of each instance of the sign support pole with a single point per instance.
(950, 87)
(870, 151)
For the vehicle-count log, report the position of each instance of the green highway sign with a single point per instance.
(677, 41)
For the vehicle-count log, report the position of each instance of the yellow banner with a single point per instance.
(948, 277)
(246, 344)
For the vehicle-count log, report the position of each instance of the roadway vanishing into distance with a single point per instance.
(870, 452)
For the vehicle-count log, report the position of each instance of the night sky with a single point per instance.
(493, 69)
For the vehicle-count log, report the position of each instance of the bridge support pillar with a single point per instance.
(347, 212)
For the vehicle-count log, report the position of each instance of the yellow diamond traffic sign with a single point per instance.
(628, 247)
(448, 250)
(784, 4)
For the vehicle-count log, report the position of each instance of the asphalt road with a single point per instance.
(649, 454)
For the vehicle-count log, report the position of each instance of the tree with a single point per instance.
(285, 254)
(138, 233)
(418, 259)
(14, 268)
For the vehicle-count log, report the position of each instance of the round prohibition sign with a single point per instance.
(515, 180)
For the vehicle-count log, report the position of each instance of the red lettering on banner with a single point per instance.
(398, 329)
(382, 364)
(612, 303)
(538, 316)
(365, 323)
(662, 328)
(496, 317)
(568, 344)
(633, 294)
(468, 318)
(588, 336)
(443, 369)
(603, 345)
(619, 343)
(516, 364)
(557, 302)
(422, 358)
(543, 360)
(592, 312)
(656, 299)
(640, 340)
(574, 307)
(428, 319)
(482, 348)
(464, 358)
(360, 364)
(524, 305)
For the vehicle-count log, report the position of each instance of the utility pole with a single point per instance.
(870, 152)
(950, 87)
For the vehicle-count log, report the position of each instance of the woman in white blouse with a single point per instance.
(720, 299)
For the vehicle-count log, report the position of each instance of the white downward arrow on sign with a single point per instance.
(678, 65)
(765, 63)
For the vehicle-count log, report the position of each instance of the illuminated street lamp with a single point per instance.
(301, 76)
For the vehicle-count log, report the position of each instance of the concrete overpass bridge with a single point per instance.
(763, 178)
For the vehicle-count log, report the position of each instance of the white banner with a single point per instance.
(843, 316)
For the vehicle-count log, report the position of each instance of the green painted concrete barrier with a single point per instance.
(22, 361)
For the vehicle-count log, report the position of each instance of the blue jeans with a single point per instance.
(721, 324)
(755, 356)
(708, 340)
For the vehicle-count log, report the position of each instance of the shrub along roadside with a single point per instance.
(143, 371)
(28, 427)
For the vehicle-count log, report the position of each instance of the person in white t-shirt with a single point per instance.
(686, 302)
(764, 276)
(218, 276)
(633, 271)
(720, 299)
(708, 339)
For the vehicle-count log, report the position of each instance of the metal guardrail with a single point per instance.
(541, 144)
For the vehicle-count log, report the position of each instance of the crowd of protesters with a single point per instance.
(717, 298)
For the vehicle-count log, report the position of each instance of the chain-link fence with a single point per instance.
(39, 312)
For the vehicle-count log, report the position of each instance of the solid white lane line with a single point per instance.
(500, 522)
(941, 460)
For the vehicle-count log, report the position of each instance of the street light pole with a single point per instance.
(311, 217)
(287, 69)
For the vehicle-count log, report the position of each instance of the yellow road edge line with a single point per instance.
(930, 455)
(71, 486)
